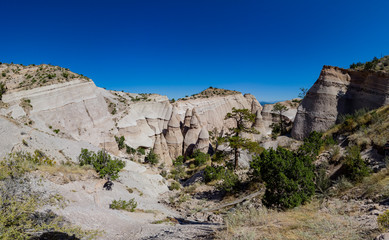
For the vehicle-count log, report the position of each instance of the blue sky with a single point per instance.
(180, 47)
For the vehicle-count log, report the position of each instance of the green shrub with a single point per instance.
(102, 163)
(120, 142)
(130, 150)
(314, 143)
(141, 151)
(152, 158)
(65, 74)
(355, 166)
(56, 131)
(200, 158)
(288, 176)
(3, 89)
(228, 178)
(383, 221)
(174, 186)
(212, 173)
(129, 205)
(179, 161)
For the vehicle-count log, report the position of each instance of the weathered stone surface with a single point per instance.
(203, 141)
(192, 136)
(213, 110)
(339, 91)
(174, 137)
(269, 117)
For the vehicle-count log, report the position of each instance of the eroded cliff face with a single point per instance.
(339, 91)
(78, 110)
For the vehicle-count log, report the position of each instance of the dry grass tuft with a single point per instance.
(308, 222)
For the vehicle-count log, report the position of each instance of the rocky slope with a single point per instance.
(337, 92)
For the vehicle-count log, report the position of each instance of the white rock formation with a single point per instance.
(203, 141)
(174, 137)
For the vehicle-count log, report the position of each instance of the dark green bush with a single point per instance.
(130, 150)
(141, 151)
(152, 158)
(313, 144)
(228, 178)
(200, 158)
(289, 177)
(102, 163)
(212, 173)
(120, 142)
(355, 166)
(3, 89)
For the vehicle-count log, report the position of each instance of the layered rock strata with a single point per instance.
(337, 92)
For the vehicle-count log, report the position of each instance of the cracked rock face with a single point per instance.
(337, 92)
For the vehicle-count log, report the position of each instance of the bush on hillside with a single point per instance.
(200, 158)
(228, 178)
(102, 163)
(3, 89)
(289, 177)
(152, 158)
(355, 167)
(314, 143)
(120, 142)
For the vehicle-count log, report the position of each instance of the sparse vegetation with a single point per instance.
(383, 221)
(374, 65)
(311, 221)
(129, 205)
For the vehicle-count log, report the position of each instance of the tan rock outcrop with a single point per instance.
(192, 135)
(269, 117)
(203, 141)
(212, 110)
(174, 137)
(339, 91)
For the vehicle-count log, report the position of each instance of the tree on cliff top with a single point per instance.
(244, 121)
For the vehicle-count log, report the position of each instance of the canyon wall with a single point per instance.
(78, 110)
(337, 92)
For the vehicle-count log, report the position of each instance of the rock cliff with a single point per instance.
(339, 91)
(74, 108)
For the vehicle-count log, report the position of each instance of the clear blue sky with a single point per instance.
(180, 47)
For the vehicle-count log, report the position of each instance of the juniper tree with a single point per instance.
(280, 109)
(244, 120)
